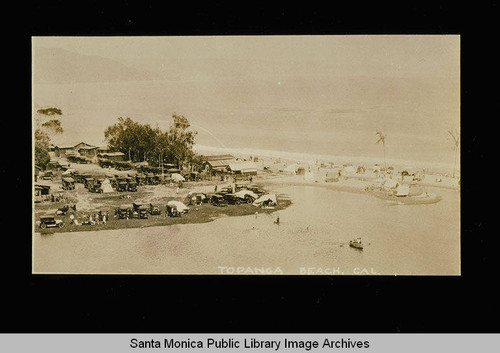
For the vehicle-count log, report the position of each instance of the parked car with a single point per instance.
(154, 210)
(218, 200)
(48, 175)
(152, 179)
(140, 179)
(121, 184)
(68, 183)
(124, 211)
(196, 198)
(62, 210)
(94, 185)
(141, 210)
(232, 199)
(50, 222)
(131, 184)
(88, 181)
(172, 211)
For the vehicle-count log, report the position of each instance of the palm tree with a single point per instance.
(456, 139)
(381, 138)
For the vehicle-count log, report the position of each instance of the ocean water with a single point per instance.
(337, 117)
(312, 237)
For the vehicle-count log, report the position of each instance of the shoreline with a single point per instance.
(206, 213)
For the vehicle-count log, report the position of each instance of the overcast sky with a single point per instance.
(394, 55)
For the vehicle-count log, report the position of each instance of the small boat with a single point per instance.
(356, 243)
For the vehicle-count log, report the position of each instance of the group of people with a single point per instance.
(90, 219)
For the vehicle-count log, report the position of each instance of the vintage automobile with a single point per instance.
(131, 184)
(88, 181)
(232, 199)
(50, 222)
(48, 175)
(218, 200)
(196, 198)
(62, 210)
(124, 211)
(140, 179)
(152, 179)
(154, 210)
(94, 185)
(172, 211)
(68, 183)
(141, 210)
(121, 184)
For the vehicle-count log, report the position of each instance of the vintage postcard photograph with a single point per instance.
(334, 155)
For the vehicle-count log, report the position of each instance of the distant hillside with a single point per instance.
(53, 65)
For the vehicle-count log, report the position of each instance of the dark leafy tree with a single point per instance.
(43, 130)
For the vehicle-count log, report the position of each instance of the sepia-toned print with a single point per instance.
(246, 155)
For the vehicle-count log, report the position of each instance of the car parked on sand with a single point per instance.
(172, 211)
(218, 200)
(68, 183)
(131, 184)
(154, 210)
(94, 185)
(140, 210)
(232, 199)
(121, 184)
(50, 222)
(124, 211)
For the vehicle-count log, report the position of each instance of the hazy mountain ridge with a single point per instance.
(54, 65)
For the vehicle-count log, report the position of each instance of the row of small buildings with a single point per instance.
(85, 150)
(214, 164)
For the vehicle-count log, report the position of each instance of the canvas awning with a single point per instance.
(177, 177)
(263, 198)
(180, 206)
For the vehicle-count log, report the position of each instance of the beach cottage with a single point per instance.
(217, 163)
(242, 170)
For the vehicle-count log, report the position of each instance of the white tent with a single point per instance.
(106, 186)
(180, 206)
(177, 177)
(263, 198)
(403, 190)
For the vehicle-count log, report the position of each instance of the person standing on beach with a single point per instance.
(215, 189)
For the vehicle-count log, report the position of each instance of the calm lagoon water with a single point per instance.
(312, 236)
